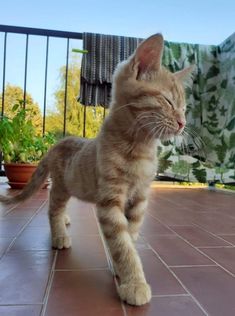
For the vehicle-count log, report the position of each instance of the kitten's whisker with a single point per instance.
(154, 131)
(140, 117)
(197, 141)
(142, 127)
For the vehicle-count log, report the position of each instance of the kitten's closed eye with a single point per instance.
(169, 101)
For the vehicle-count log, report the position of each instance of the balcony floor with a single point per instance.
(187, 247)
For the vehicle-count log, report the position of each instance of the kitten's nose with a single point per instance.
(181, 124)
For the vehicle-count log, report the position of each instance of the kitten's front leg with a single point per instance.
(135, 215)
(133, 287)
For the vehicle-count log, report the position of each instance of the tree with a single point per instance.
(75, 110)
(13, 94)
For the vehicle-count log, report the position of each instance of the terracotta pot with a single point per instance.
(19, 174)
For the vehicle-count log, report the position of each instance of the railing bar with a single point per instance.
(26, 67)
(4, 73)
(84, 121)
(40, 32)
(104, 113)
(45, 88)
(66, 86)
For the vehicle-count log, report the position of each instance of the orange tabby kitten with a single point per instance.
(115, 169)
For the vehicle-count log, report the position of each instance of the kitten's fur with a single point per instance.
(115, 169)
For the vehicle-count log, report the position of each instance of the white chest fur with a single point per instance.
(143, 169)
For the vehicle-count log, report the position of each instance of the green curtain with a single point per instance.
(208, 153)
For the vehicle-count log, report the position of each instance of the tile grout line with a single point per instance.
(8, 211)
(226, 235)
(178, 204)
(25, 304)
(23, 228)
(49, 285)
(214, 247)
(195, 203)
(181, 283)
(193, 266)
(104, 243)
(198, 250)
(171, 295)
(16, 205)
(121, 302)
(82, 270)
(210, 233)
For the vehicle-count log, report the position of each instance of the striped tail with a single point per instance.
(38, 179)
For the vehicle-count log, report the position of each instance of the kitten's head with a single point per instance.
(147, 95)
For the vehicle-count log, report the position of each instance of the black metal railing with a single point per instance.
(48, 34)
(5, 30)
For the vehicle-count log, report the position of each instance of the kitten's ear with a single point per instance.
(185, 74)
(148, 55)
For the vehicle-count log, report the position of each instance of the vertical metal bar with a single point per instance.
(4, 73)
(45, 88)
(66, 86)
(3, 91)
(26, 66)
(104, 113)
(84, 121)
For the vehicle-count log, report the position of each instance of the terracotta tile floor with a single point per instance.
(187, 247)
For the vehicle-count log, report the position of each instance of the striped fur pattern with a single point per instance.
(115, 169)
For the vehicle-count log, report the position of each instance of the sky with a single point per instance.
(198, 21)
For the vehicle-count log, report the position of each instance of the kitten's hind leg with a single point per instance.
(58, 219)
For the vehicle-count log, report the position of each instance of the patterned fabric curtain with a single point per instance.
(104, 53)
(208, 152)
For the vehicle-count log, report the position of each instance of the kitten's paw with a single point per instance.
(67, 219)
(135, 293)
(61, 242)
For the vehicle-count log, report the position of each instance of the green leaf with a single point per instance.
(167, 154)
(212, 72)
(82, 51)
(163, 165)
(214, 51)
(191, 58)
(181, 167)
(200, 175)
(221, 152)
(224, 84)
(176, 50)
(232, 141)
(212, 88)
(196, 164)
(231, 124)
(15, 107)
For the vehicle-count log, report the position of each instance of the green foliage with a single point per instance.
(19, 140)
(231, 124)
(75, 111)
(181, 167)
(163, 162)
(225, 186)
(224, 84)
(200, 174)
(221, 170)
(212, 72)
(221, 150)
(12, 95)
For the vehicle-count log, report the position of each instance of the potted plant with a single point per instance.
(21, 146)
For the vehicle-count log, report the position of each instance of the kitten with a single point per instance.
(115, 169)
